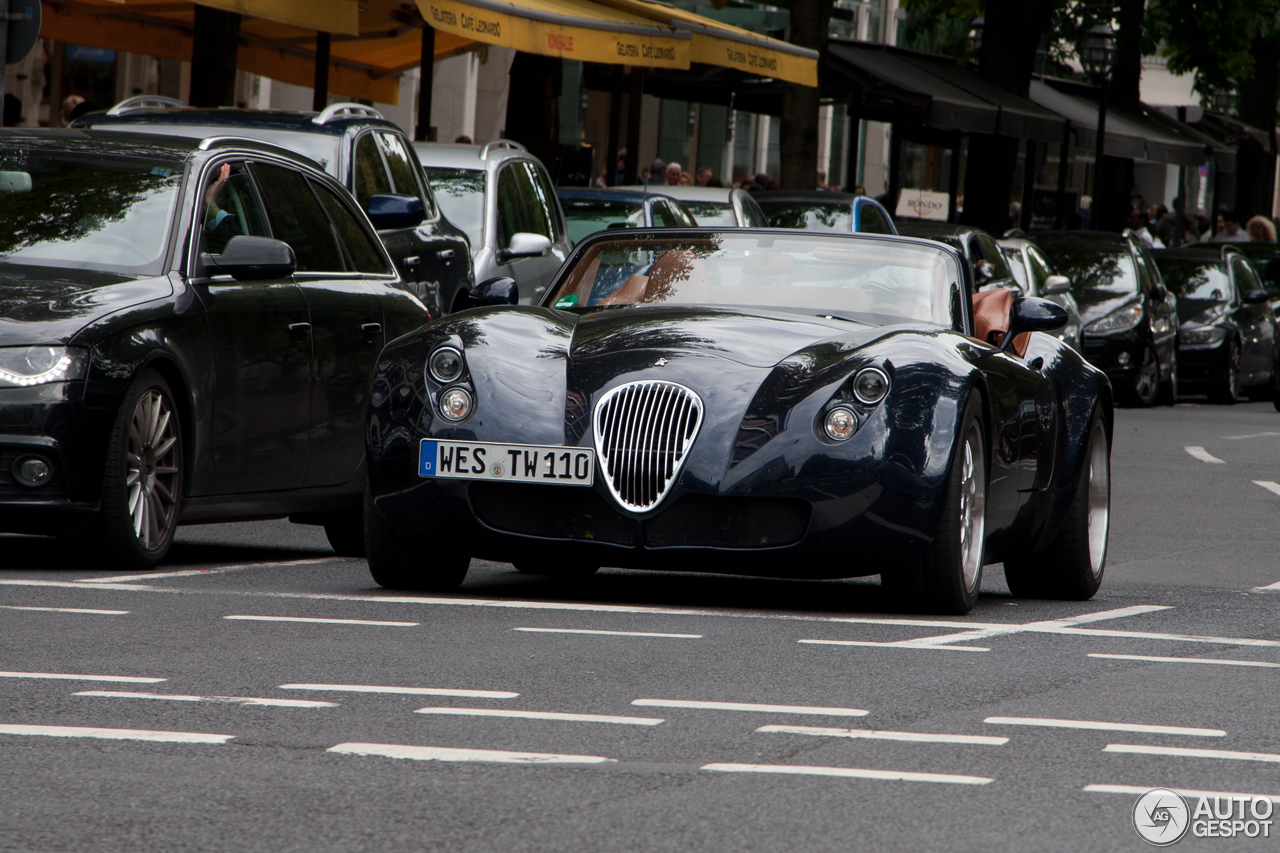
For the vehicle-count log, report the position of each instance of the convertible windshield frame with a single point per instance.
(743, 269)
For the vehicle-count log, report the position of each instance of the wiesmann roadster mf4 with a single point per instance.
(752, 402)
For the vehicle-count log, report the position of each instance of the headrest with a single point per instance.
(991, 319)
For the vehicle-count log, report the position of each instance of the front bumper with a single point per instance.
(1117, 355)
(1200, 367)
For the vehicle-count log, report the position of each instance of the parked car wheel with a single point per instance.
(1146, 382)
(397, 561)
(1169, 389)
(346, 534)
(1226, 388)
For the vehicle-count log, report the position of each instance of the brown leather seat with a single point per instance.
(991, 319)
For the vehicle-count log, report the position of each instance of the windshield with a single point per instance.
(1102, 277)
(809, 216)
(1016, 268)
(1199, 285)
(868, 280)
(86, 210)
(713, 213)
(586, 216)
(460, 194)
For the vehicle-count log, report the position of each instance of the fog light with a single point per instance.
(32, 471)
(1123, 359)
(840, 424)
(455, 404)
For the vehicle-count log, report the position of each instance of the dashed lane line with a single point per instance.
(223, 700)
(871, 734)
(1187, 752)
(437, 753)
(402, 691)
(750, 706)
(65, 610)
(211, 570)
(243, 618)
(1203, 455)
(1138, 790)
(114, 734)
(1274, 587)
(895, 645)
(1249, 435)
(542, 715)
(1099, 726)
(62, 676)
(608, 633)
(1269, 485)
(849, 773)
(1220, 661)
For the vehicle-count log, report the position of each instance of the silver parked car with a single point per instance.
(718, 207)
(1036, 277)
(501, 196)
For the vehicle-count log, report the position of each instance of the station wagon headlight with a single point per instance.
(39, 365)
(1203, 336)
(840, 424)
(1120, 320)
(456, 404)
(445, 365)
(870, 385)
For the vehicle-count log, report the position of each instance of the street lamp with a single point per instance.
(1098, 56)
(973, 41)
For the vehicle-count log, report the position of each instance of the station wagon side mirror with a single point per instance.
(1158, 292)
(395, 211)
(495, 291)
(1032, 314)
(1056, 284)
(248, 258)
(1253, 297)
(526, 245)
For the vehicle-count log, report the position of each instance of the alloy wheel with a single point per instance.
(973, 505)
(1099, 499)
(152, 469)
(1147, 382)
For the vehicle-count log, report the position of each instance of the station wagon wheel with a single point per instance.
(1227, 388)
(1146, 384)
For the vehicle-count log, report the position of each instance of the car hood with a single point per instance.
(50, 305)
(1201, 312)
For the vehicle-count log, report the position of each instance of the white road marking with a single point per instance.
(904, 644)
(437, 753)
(607, 633)
(72, 585)
(64, 610)
(212, 570)
(542, 715)
(1249, 435)
(1186, 792)
(1186, 752)
(1157, 659)
(747, 706)
(1269, 485)
(1048, 626)
(848, 772)
(1094, 725)
(1203, 455)
(871, 734)
(406, 691)
(1273, 587)
(321, 621)
(59, 676)
(225, 700)
(114, 734)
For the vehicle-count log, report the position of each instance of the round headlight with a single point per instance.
(41, 359)
(32, 471)
(870, 385)
(445, 365)
(456, 404)
(840, 424)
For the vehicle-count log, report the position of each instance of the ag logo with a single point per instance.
(1161, 817)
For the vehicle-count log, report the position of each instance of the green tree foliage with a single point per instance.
(1211, 38)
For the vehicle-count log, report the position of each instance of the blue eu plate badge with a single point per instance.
(427, 459)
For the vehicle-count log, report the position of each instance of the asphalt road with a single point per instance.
(244, 728)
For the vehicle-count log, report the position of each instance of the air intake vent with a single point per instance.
(643, 434)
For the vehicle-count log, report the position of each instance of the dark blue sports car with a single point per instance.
(756, 402)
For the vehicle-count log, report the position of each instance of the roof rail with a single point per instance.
(142, 103)
(211, 142)
(501, 143)
(335, 111)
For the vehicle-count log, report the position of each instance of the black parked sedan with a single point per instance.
(187, 331)
(990, 266)
(1227, 343)
(587, 211)
(1130, 318)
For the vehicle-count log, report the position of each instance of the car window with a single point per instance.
(1014, 256)
(719, 213)
(1145, 279)
(547, 201)
(805, 216)
(752, 215)
(231, 208)
(298, 219)
(403, 171)
(586, 216)
(362, 251)
(1039, 267)
(537, 215)
(664, 216)
(370, 173)
(985, 247)
(511, 215)
(872, 221)
(460, 193)
(1267, 264)
(1244, 276)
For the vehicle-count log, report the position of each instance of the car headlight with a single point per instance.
(870, 385)
(1120, 320)
(456, 404)
(445, 365)
(40, 365)
(840, 424)
(1200, 336)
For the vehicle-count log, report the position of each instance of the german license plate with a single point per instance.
(527, 463)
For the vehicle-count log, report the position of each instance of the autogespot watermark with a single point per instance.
(1163, 816)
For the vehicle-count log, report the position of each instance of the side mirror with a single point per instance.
(247, 258)
(1056, 284)
(1032, 314)
(526, 245)
(1158, 292)
(495, 291)
(395, 211)
(1254, 297)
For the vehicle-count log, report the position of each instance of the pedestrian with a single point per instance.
(762, 179)
(620, 175)
(705, 176)
(1229, 230)
(1260, 230)
(462, 140)
(715, 182)
(673, 172)
(822, 180)
(685, 180)
(773, 184)
(69, 105)
(861, 190)
(1165, 225)
(1137, 225)
(657, 171)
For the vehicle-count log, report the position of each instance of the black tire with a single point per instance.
(1275, 381)
(397, 561)
(141, 488)
(1071, 568)
(345, 533)
(1226, 385)
(935, 581)
(1146, 382)
(1169, 390)
(556, 568)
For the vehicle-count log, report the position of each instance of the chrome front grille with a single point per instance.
(643, 434)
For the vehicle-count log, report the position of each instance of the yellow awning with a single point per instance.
(572, 29)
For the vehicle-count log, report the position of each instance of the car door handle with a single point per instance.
(371, 328)
(445, 254)
(300, 328)
(412, 261)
